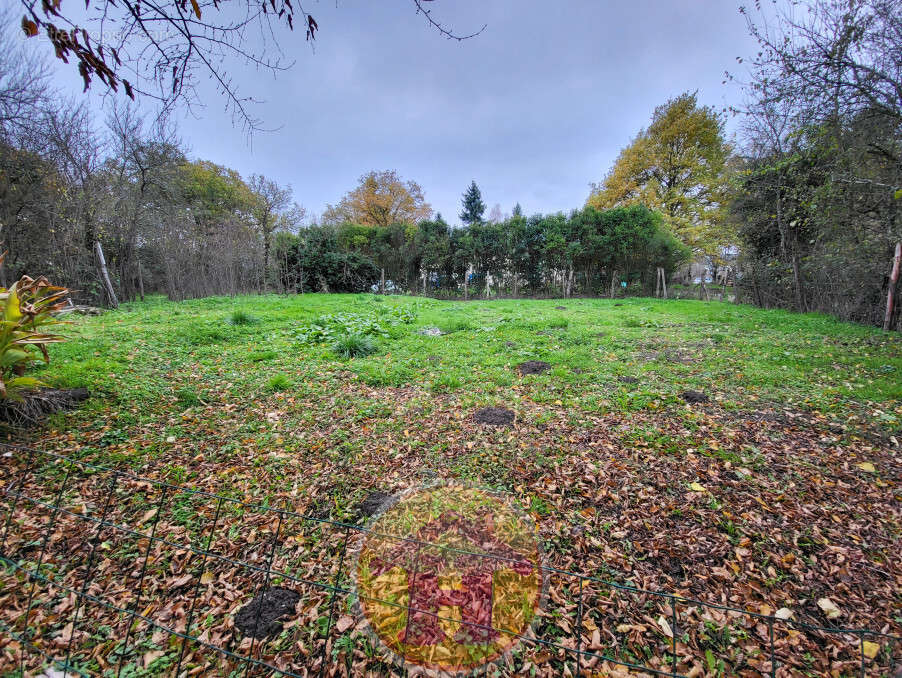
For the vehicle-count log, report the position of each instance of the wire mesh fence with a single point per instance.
(108, 573)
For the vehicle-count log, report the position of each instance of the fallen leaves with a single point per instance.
(829, 608)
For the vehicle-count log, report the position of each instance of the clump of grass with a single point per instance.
(354, 346)
(260, 356)
(240, 317)
(203, 335)
(187, 397)
(454, 325)
(277, 382)
(558, 323)
(446, 382)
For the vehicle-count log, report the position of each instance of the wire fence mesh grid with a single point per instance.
(108, 573)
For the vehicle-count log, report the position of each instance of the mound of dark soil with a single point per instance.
(510, 344)
(560, 308)
(494, 416)
(694, 397)
(533, 367)
(628, 380)
(260, 617)
(371, 504)
(44, 401)
(618, 304)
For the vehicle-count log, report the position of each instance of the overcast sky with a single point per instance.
(534, 108)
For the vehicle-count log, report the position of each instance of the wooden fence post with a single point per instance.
(105, 276)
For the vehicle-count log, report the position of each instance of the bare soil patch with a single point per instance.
(260, 617)
(371, 504)
(533, 367)
(694, 397)
(494, 416)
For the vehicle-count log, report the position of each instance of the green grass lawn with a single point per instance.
(155, 359)
(781, 491)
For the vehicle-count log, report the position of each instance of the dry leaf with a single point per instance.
(695, 487)
(149, 657)
(784, 613)
(206, 578)
(344, 623)
(829, 608)
(870, 649)
(867, 466)
(665, 627)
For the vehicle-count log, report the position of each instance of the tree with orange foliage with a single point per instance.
(380, 199)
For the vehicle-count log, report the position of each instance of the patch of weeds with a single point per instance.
(239, 317)
(354, 346)
(378, 375)
(187, 397)
(328, 328)
(453, 325)
(260, 356)
(446, 382)
(278, 382)
(558, 323)
(540, 506)
(113, 437)
(202, 335)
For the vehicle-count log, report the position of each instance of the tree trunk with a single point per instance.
(893, 281)
(382, 282)
(613, 282)
(266, 245)
(797, 276)
(105, 276)
(140, 281)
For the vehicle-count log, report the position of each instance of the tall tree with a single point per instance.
(818, 207)
(380, 199)
(270, 200)
(678, 166)
(473, 206)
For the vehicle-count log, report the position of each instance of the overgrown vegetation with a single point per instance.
(819, 200)
(786, 475)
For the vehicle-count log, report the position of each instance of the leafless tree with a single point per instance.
(162, 49)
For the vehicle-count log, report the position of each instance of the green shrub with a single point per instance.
(24, 308)
(354, 346)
